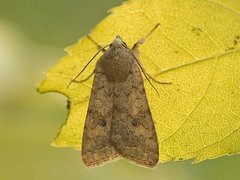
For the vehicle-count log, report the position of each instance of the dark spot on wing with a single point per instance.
(134, 122)
(103, 122)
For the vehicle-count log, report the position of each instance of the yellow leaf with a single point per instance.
(197, 48)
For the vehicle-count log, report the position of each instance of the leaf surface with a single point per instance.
(197, 48)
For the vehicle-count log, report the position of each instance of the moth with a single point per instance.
(119, 123)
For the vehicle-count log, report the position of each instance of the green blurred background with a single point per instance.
(33, 35)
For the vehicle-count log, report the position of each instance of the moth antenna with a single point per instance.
(98, 45)
(144, 72)
(86, 65)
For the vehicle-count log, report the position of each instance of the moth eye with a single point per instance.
(103, 122)
(134, 122)
(110, 45)
(124, 43)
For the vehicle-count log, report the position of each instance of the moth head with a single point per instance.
(118, 42)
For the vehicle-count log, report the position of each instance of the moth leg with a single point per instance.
(98, 45)
(135, 48)
(159, 82)
(142, 40)
(136, 52)
(83, 80)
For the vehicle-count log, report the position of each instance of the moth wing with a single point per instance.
(96, 147)
(133, 132)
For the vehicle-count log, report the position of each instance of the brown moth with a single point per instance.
(119, 121)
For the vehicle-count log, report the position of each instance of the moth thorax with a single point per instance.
(117, 62)
(118, 70)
